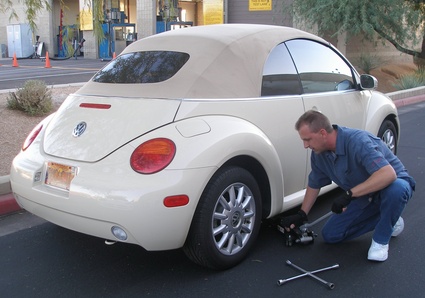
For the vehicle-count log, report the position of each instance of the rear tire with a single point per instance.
(227, 220)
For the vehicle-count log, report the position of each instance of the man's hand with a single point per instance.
(292, 221)
(341, 202)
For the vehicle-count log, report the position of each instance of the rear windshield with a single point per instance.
(142, 67)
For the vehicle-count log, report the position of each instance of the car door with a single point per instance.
(281, 88)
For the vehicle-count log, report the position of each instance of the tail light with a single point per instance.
(153, 156)
(31, 137)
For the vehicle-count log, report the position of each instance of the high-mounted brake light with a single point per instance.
(153, 156)
(95, 106)
(31, 137)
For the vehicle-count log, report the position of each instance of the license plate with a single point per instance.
(58, 175)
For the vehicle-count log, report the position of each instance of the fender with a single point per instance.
(230, 137)
(210, 141)
(380, 108)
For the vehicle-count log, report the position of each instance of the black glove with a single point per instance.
(341, 202)
(296, 220)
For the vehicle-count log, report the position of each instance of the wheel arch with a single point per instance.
(257, 170)
(381, 108)
(210, 248)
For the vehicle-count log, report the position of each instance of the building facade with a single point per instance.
(62, 28)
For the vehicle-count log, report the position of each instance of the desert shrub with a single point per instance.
(413, 80)
(34, 98)
(368, 62)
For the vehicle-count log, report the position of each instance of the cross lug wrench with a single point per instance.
(309, 273)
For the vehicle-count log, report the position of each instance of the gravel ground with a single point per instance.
(16, 125)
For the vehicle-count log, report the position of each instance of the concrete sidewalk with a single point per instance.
(401, 98)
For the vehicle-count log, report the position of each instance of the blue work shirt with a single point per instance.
(357, 156)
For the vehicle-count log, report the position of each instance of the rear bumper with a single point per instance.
(98, 201)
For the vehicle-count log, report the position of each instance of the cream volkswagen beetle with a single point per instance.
(187, 140)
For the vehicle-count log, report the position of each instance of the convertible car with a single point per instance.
(187, 139)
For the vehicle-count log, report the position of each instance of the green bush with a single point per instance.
(408, 81)
(34, 98)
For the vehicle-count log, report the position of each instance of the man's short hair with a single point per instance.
(315, 121)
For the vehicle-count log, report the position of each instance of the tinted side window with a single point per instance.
(320, 68)
(279, 74)
(142, 67)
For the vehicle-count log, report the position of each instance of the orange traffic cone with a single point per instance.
(47, 61)
(15, 61)
(114, 56)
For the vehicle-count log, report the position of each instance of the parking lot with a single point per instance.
(60, 71)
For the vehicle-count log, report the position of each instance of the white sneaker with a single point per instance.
(377, 252)
(398, 227)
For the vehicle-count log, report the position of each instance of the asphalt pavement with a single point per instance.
(56, 72)
(41, 259)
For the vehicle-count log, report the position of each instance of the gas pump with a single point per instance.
(118, 32)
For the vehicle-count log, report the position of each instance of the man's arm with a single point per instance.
(377, 181)
(290, 222)
(310, 197)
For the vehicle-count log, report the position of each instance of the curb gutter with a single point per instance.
(9, 205)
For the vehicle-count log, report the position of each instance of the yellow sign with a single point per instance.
(86, 19)
(255, 5)
(213, 12)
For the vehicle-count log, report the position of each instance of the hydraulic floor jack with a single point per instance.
(303, 234)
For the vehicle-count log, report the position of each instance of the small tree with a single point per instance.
(397, 21)
(33, 8)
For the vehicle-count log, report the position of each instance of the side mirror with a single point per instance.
(368, 82)
(344, 85)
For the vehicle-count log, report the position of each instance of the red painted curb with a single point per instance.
(409, 100)
(8, 204)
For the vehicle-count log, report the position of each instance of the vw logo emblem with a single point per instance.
(79, 129)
